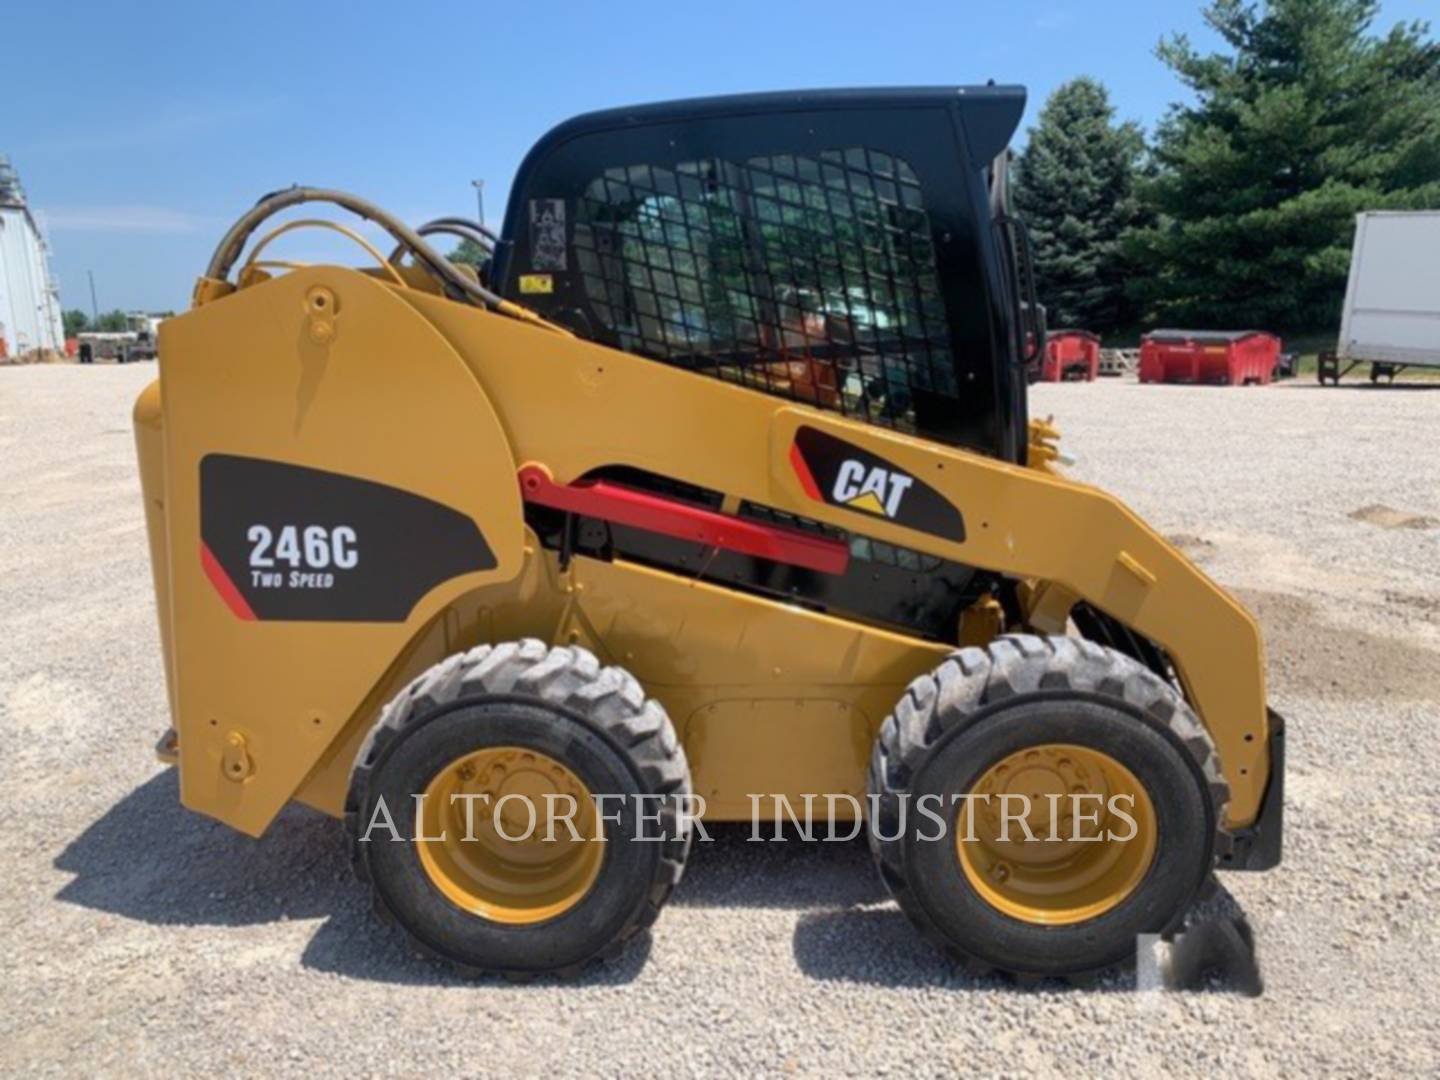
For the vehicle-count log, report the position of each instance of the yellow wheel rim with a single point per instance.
(1086, 858)
(496, 864)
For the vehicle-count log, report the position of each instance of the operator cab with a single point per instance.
(850, 249)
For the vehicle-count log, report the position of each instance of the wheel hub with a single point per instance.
(1051, 843)
(510, 834)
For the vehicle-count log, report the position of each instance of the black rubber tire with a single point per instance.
(981, 705)
(599, 723)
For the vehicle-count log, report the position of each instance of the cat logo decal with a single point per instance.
(873, 490)
(837, 473)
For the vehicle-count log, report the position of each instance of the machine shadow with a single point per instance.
(877, 946)
(149, 859)
(733, 870)
(353, 943)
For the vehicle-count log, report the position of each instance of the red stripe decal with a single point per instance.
(224, 586)
(802, 470)
(642, 510)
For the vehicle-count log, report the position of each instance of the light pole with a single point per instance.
(479, 186)
(94, 307)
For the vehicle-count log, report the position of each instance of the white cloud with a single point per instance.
(140, 219)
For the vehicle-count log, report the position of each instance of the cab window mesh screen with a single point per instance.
(811, 278)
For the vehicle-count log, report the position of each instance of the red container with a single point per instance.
(1071, 354)
(1227, 357)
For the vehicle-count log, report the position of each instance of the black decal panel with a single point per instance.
(286, 542)
(841, 474)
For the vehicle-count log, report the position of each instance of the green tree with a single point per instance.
(75, 322)
(1075, 188)
(469, 253)
(112, 322)
(1303, 121)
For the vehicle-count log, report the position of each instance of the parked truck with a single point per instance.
(1392, 302)
(137, 342)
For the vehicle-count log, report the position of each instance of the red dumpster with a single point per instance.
(1228, 357)
(1071, 354)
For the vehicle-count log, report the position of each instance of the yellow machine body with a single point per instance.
(358, 374)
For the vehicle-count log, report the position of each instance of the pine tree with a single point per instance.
(1075, 189)
(1303, 122)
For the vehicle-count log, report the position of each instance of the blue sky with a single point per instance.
(142, 130)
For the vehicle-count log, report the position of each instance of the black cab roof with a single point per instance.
(992, 112)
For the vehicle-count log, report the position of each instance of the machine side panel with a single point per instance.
(574, 407)
(334, 478)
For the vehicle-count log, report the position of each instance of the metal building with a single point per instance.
(29, 300)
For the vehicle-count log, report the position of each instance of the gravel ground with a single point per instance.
(142, 939)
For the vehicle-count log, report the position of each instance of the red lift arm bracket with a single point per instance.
(642, 510)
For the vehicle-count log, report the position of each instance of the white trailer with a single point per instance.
(1392, 303)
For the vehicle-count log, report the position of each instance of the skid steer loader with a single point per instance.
(714, 488)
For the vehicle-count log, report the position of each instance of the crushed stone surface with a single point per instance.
(142, 939)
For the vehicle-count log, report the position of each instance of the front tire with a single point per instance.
(1041, 717)
(555, 729)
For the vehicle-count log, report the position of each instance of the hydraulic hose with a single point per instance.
(456, 284)
(453, 226)
(492, 238)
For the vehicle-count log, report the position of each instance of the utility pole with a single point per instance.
(479, 186)
(94, 307)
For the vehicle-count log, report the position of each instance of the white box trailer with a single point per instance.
(1392, 302)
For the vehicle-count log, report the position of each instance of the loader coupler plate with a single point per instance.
(1258, 846)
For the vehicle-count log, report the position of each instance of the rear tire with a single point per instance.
(557, 706)
(1021, 697)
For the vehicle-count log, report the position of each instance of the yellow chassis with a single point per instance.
(336, 369)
